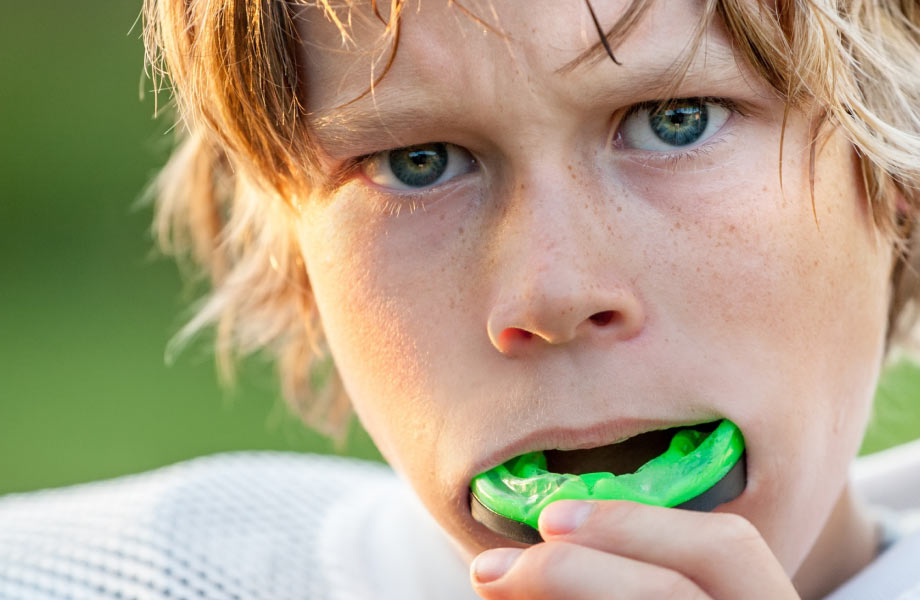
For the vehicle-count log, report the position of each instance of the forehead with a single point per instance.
(446, 55)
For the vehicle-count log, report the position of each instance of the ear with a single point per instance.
(902, 209)
(906, 209)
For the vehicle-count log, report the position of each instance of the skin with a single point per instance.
(462, 329)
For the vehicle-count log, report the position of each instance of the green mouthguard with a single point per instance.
(694, 462)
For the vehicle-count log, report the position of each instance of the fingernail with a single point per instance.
(564, 516)
(492, 564)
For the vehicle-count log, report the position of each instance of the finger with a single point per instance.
(564, 571)
(722, 552)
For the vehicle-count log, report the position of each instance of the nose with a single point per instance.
(562, 279)
(527, 320)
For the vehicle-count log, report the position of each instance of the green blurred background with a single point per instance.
(86, 307)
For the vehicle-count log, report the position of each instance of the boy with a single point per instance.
(515, 237)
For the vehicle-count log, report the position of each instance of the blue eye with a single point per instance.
(418, 167)
(664, 126)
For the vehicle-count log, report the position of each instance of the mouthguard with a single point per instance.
(698, 471)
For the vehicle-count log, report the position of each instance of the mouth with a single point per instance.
(695, 467)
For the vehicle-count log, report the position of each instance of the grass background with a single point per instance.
(86, 309)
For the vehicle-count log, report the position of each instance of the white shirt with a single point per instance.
(236, 526)
(890, 481)
(284, 526)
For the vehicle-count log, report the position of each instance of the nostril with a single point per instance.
(510, 335)
(603, 318)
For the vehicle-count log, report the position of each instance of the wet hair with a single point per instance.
(227, 200)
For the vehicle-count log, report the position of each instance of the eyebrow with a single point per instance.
(714, 64)
(357, 125)
(375, 121)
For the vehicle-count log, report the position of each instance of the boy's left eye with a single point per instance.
(417, 167)
(666, 126)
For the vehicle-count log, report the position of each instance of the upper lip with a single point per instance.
(577, 438)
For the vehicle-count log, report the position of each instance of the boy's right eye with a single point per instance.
(417, 167)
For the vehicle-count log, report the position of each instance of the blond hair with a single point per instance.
(227, 199)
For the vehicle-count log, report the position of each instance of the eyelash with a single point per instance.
(673, 160)
(726, 103)
(389, 203)
(385, 202)
(413, 201)
(392, 208)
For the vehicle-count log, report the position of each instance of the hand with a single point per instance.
(625, 550)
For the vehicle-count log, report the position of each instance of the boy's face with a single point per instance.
(584, 279)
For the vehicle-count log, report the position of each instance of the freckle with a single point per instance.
(677, 225)
(460, 231)
(731, 228)
(619, 209)
(442, 217)
(764, 188)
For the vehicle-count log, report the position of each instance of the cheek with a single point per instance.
(791, 303)
(747, 263)
(387, 300)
